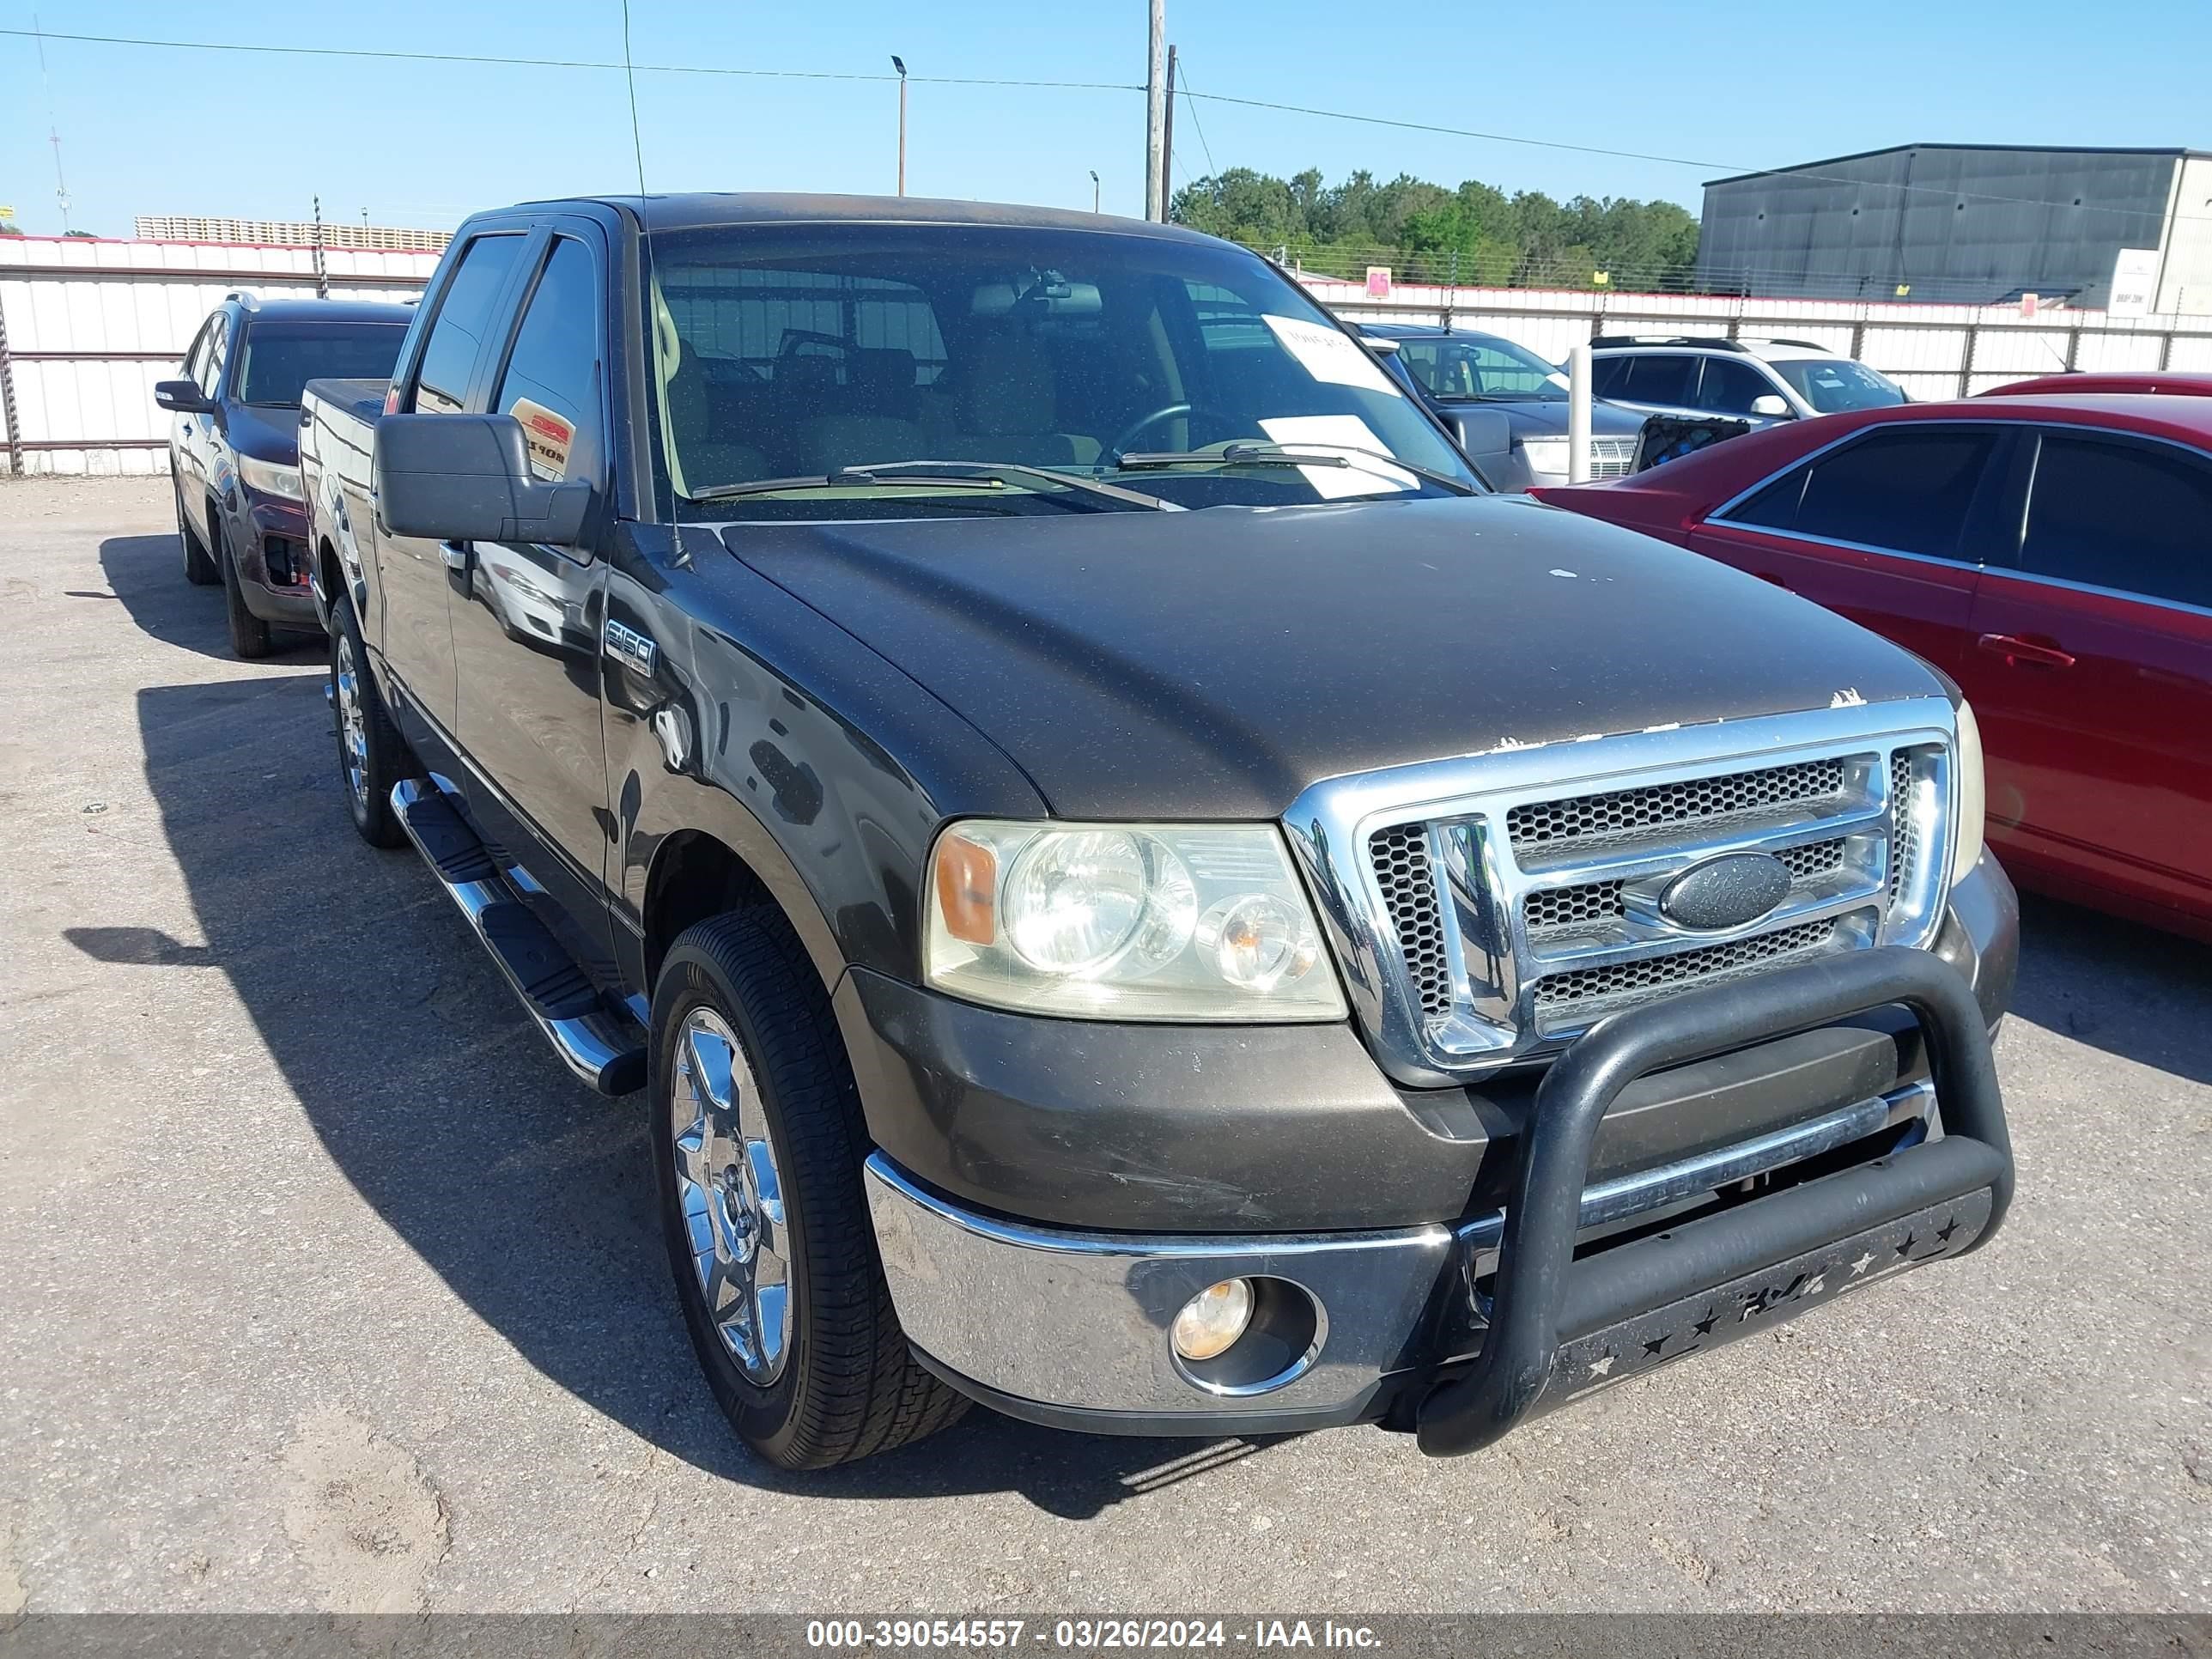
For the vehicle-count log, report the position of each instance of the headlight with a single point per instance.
(1547, 455)
(1125, 921)
(271, 477)
(1973, 794)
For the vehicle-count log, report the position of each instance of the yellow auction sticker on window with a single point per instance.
(548, 434)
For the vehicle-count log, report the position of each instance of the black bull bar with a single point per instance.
(1559, 1326)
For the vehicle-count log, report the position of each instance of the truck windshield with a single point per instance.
(1481, 367)
(281, 358)
(1183, 370)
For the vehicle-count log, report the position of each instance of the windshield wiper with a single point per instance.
(974, 475)
(1256, 454)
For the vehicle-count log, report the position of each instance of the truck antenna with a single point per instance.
(681, 556)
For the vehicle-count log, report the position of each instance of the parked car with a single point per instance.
(233, 446)
(2159, 381)
(1458, 370)
(2052, 555)
(1759, 381)
(1130, 882)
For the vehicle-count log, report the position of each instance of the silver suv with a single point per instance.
(1761, 381)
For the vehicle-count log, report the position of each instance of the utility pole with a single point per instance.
(1167, 142)
(1156, 110)
(899, 64)
(322, 276)
(1094, 189)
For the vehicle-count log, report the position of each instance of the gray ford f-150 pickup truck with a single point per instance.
(1136, 891)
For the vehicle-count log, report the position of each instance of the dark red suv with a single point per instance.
(2053, 555)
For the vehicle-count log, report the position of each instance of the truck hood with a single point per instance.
(1213, 665)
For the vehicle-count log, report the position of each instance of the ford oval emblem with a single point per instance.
(1726, 891)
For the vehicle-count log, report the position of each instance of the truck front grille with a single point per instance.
(1409, 889)
(1612, 458)
(1623, 810)
(1510, 915)
(1585, 993)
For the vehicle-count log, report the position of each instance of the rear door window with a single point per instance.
(551, 380)
(2123, 513)
(1661, 377)
(464, 314)
(1905, 490)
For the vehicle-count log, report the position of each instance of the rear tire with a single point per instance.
(249, 635)
(371, 754)
(761, 1195)
(199, 569)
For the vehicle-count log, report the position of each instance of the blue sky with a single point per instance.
(1731, 83)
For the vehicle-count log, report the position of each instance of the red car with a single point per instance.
(2053, 555)
(2181, 384)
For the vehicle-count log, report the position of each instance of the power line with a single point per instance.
(557, 63)
(1391, 122)
(1197, 125)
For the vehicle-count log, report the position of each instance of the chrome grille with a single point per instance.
(1903, 827)
(1623, 810)
(1612, 458)
(1402, 869)
(1550, 909)
(1586, 992)
(1560, 910)
(1487, 908)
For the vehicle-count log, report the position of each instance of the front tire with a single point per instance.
(249, 635)
(371, 754)
(757, 1142)
(199, 569)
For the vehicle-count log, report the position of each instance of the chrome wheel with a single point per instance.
(353, 723)
(732, 1200)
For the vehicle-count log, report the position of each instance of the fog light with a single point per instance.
(1213, 1319)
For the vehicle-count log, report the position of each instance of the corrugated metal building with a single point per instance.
(1970, 223)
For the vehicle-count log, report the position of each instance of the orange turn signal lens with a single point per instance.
(967, 877)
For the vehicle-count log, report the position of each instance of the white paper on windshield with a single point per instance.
(1364, 476)
(1327, 355)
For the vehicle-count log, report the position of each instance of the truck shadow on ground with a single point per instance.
(2131, 991)
(147, 573)
(529, 1195)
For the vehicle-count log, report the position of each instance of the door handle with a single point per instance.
(456, 556)
(2017, 652)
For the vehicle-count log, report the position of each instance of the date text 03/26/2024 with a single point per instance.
(1084, 1635)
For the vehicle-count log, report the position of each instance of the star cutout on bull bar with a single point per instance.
(1704, 1327)
(1603, 1367)
(1657, 1343)
(1859, 1266)
(1949, 1227)
(1905, 1248)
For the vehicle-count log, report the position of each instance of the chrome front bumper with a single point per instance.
(1070, 1328)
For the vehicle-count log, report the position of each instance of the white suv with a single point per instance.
(1760, 382)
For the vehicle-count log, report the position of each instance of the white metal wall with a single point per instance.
(1933, 351)
(90, 325)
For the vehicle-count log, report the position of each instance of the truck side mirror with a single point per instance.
(467, 479)
(1480, 431)
(180, 397)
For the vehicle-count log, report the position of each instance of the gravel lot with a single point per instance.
(323, 1287)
